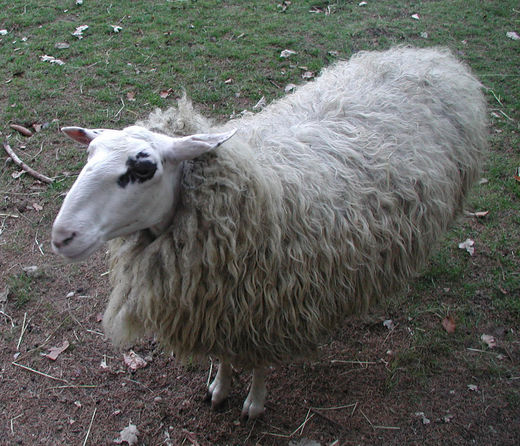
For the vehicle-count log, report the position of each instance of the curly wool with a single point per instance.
(321, 205)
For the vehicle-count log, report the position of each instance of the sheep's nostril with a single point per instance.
(66, 241)
(60, 242)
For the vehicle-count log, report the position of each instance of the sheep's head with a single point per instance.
(130, 182)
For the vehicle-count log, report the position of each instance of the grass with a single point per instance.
(226, 56)
(21, 289)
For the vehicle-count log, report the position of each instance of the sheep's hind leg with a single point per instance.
(219, 389)
(254, 403)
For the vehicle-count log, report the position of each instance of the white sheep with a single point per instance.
(321, 205)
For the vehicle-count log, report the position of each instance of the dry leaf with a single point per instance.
(472, 387)
(284, 5)
(423, 417)
(389, 323)
(165, 93)
(289, 87)
(3, 32)
(103, 364)
(37, 207)
(133, 360)
(18, 174)
(512, 35)
(128, 434)
(287, 53)
(448, 323)
(468, 245)
(130, 96)
(448, 418)
(478, 214)
(517, 174)
(21, 129)
(56, 351)
(52, 59)
(61, 45)
(79, 31)
(416, 17)
(308, 75)
(489, 340)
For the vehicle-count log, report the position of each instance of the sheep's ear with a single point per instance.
(192, 146)
(81, 135)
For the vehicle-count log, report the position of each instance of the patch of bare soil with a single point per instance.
(358, 391)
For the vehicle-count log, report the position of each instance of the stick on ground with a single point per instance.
(25, 167)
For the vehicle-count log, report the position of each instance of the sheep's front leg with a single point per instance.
(219, 389)
(254, 403)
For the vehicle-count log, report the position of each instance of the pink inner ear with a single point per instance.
(77, 134)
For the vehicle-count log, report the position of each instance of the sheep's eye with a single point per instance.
(139, 169)
(144, 170)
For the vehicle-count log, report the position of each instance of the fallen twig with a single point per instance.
(90, 426)
(74, 386)
(12, 419)
(373, 426)
(22, 332)
(302, 426)
(8, 317)
(38, 372)
(25, 167)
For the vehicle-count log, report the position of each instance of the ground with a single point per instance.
(368, 384)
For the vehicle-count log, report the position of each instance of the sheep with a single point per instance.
(318, 207)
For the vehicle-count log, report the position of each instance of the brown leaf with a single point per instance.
(131, 95)
(165, 93)
(56, 351)
(448, 323)
(37, 207)
(21, 129)
(134, 361)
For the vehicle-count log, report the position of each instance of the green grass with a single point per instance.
(197, 46)
(21, 289)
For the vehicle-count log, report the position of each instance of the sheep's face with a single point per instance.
(130, 182)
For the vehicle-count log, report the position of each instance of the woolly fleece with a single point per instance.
(321, 205)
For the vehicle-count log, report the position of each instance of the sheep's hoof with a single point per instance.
(251, 409)
(218, 390)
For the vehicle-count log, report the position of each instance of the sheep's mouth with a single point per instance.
(74, 256)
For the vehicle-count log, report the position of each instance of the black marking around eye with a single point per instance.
(139, 170)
